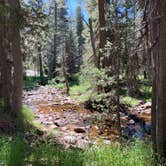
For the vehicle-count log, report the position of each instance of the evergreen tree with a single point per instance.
(80, 28)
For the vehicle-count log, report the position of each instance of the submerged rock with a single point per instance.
(80, 130)
(60, 122)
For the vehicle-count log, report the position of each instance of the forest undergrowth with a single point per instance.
(31, 146)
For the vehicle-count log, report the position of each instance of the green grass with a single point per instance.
(146, 92)
(131, 101)
(30, 82)
(16, 151)
(29, 117)
(60, 86)
(81, 92)
(28, 114)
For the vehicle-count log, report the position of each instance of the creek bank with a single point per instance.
(74, 126)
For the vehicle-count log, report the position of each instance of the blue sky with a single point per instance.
(72, 5)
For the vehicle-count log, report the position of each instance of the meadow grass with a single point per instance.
(16, 151)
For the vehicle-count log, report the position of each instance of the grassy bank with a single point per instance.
(17, 151)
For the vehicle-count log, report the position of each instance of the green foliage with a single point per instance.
(28, 114)
(60, 86)
(96, 77)
(30, 82)
(13, 151)
(138, 154)
(81, 93)
(146, 92)
(128, 100)
(16, 151)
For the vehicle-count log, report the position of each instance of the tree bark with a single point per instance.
(5, 62)
(17, 61)
(40, 63)
(159, 86)
(102, 32)
(93, 43)
(117, 51)
(64, 69)
(53, 58)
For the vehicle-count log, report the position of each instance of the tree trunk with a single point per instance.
(102, 32)
(17, 61)
(1, 50)
(5, 63)
(53, 58)
(93, 43)
(117, 51)
(64, 69)
(159, 87)
(40, 63)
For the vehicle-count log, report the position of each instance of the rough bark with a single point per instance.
(102, 32)
(159, 86)
(17, 61)
(5, 62)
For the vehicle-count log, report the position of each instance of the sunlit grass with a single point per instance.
(60, 86)
(81, 92)
(17, 151)
(128, 100)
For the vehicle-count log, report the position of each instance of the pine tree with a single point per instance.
(80, 28)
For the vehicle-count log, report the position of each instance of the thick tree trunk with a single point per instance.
(17, 62)
(5, 63)
(1, 50)
(159, 88)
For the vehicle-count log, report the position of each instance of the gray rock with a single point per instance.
(70, 139)
(131, 122)
(60, 122)
(107, 142)
(82, 144)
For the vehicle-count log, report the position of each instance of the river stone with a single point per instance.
(107, 142)
(70, 139)
(80, 130)
(82, 144)
(60, 122)
(131, 122)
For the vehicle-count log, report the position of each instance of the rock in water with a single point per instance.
(80, 130)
